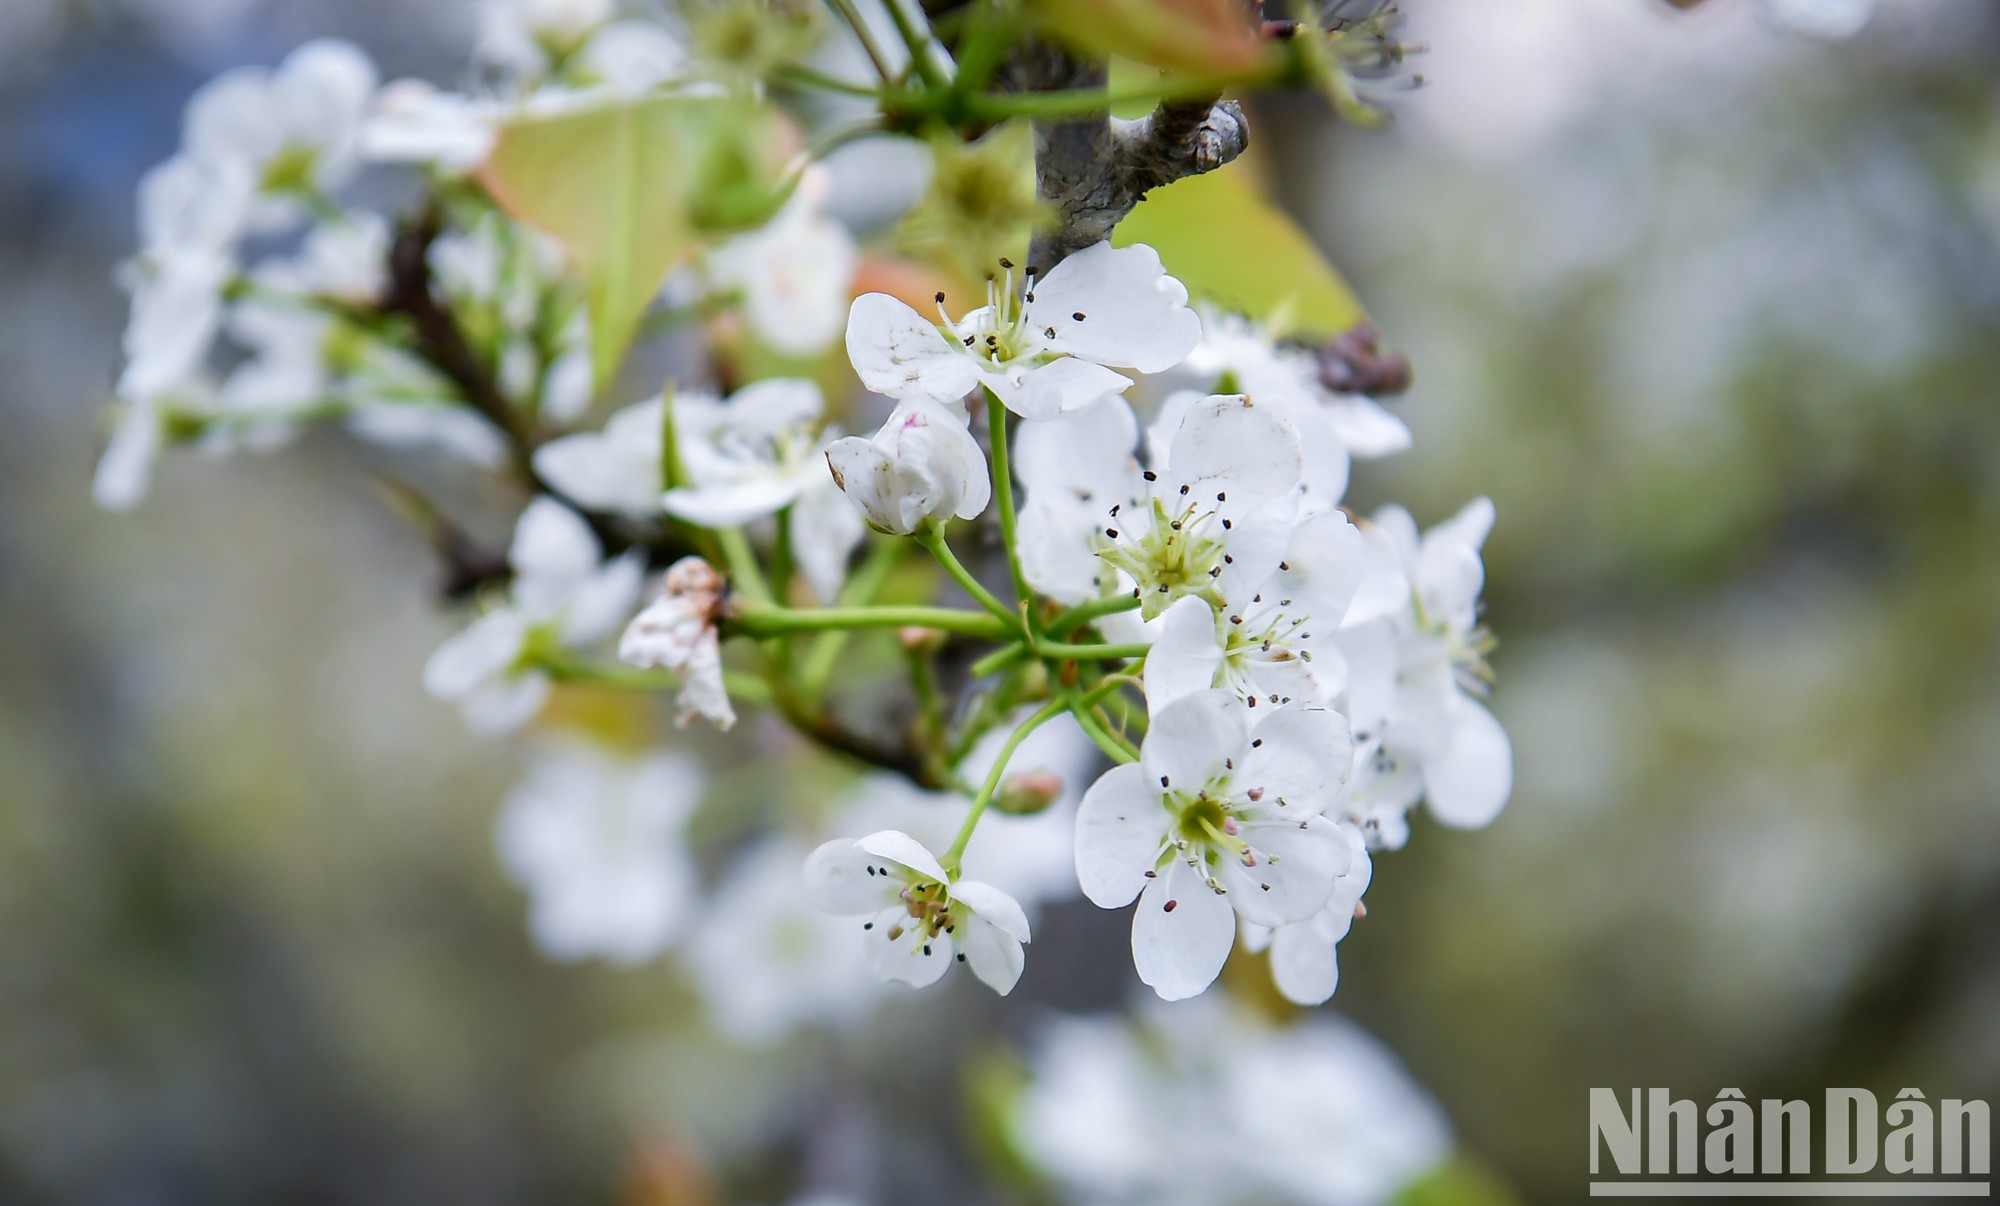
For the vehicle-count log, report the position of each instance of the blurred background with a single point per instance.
(1710, 310)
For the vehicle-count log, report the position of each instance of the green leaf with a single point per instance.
(627, 186)
(1230, 245)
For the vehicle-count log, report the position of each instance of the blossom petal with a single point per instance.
(1116, 305)
(1192, 739)
(1304, 964)
(1295, 878)
(993, 955)
(1185, 655)
(1120, 826)
(1182, 932)
(996, 906)
(483, 651)
(909, 957)
(733, 503)
(1053, 390)
(1368, 428)
(1300, 757)
(898, 352)
(1229, 443)
(1468, 784)
(840, 879)
(899, 847)
(552, 542)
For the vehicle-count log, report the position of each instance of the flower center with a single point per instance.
(929, 909)
(1168, 553)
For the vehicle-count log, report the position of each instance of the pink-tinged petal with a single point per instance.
(1181, 934)
(1185, 655)
(843, 879)
(1468, 785)
(1192, 741)
(994, 955)
(1120, 826)
(900, 847)
(898, 352)
(1299, 760)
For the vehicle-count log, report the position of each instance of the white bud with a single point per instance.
(922, 467)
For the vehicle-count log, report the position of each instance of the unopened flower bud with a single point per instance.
(1028, 793)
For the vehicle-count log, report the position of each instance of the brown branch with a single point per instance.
(1094, 168)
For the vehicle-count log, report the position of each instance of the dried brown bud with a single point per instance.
(1356, 363)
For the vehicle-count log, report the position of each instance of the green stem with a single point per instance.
(763, 621)
(862, 588)
(1083, 613)
(849, 14)
(568, 669)
(919, 46)
(1003, 493)
(806, 77)
(933, 540)
(743, 563)
(1049, 711)
(1078, 653)
(999, 660)
(1086, 718)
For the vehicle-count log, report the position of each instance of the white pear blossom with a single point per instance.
(1043, 353)
(1213, 519)
(766, 962)
(1318, 1114)
(1415, 678)
(1272, 642)
(1246, 357)
(1029, 856)
(677, 632)
(794, 274)
(295, 128)
(191, 214)
(564, 593)
(597, 842)
(918, 919)
(1216, 819)
(415, 121)
(749, 457)
(922, 468)
(141, 428)
(527, 37)
(1304, 962)
(506, 285)
(1073, 471)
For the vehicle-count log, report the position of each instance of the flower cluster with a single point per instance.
(1082, 595)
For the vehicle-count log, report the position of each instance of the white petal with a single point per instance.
(1305, 859)
(840, 879)
(1120, 826)
(1304, 964)
(997, 907)
(1469, 784)
(1192, 739)
(604, 600)
(1179, 950)
(552, 542)
(1301, 753)
(1058, 388)
(899, 847)
(486, 649)
(603, 473)
(732, 504)
(825, 531)
(1367, 428)
(1133, 313)
(898, 352)
(497, 708)
(703, 691)
(911, 959)
(1230, 443)
(994, 955)
(1185, 655)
